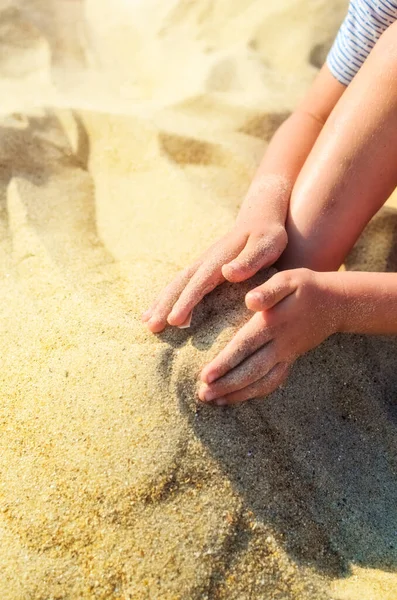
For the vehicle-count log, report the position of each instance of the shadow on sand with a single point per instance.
(317, 460)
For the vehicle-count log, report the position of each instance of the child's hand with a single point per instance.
(297, 310)
(236, 257)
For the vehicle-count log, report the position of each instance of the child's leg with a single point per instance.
(351, 170)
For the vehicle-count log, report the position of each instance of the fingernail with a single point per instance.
(233, 265)
(220, 401)
(255, 296)
(211, 377)
(146, 315)
(174, 313)
(152, 321)
(208, 396)
(205, 394)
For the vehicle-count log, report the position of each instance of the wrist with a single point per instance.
(367, 302)
(337, 301)
(266, 201)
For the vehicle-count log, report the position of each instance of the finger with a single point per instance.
(260, 251)
(246, 341)
(148, 313)
(269, 294)
(171, 293)
(252, 369)
(262, 387)
(203, 282)
(206, 278)
(160, 310)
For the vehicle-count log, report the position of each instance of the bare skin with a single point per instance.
(348, 175)
(259, 236)
(296, 311)
(349, 172)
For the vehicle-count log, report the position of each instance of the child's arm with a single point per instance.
(259, 236)
(369, 302)
(352, 168)
(301, 308)
(351, 171)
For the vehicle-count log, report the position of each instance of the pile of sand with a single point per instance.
(128, 135)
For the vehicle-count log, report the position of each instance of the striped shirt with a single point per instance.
(365, 22)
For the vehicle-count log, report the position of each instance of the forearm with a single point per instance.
(352, 168)
(269, 194)
(271, 187)
(365, 302)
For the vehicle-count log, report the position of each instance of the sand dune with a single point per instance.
(129, 132)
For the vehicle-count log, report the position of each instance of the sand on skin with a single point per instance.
(129, 134)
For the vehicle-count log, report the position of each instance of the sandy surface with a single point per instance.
(129, 133)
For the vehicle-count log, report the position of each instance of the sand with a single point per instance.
(129, 134)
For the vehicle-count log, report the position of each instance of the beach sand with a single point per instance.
(129, 134)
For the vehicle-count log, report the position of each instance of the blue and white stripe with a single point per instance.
(365, 22)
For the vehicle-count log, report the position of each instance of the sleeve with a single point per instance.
(359, 32)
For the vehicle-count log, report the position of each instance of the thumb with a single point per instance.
(260, 251)
(269, 294)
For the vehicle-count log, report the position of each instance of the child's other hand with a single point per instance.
(297, 310)
(236, 257)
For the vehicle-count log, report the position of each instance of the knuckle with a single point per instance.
(305, 279)
(278, 280)
(286, 277)
(268, 243)
(304, 274)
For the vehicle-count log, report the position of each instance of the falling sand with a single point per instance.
(130, 131)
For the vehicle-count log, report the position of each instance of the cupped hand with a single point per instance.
(294, 312)
(237, 256)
